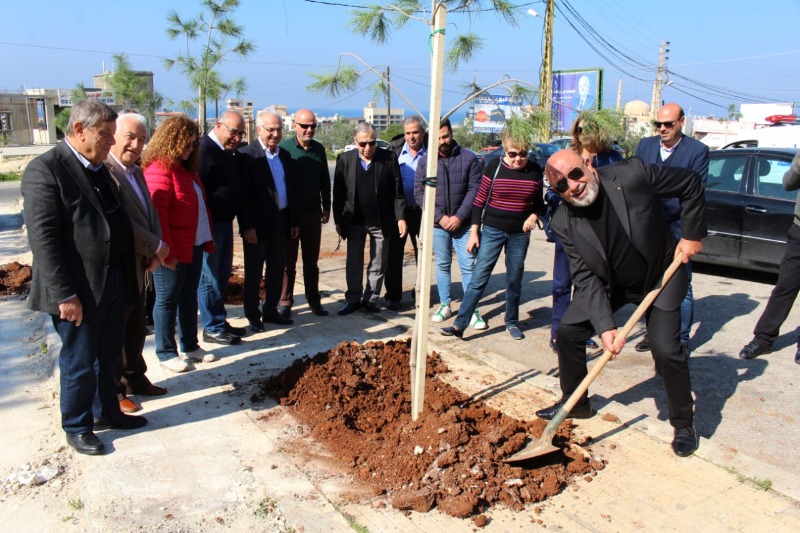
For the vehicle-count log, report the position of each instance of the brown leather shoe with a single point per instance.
(126, 405)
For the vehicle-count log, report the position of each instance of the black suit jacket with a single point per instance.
(220, 172)
(634, 190)
(68, 233)
(259, 196)
(388, 190)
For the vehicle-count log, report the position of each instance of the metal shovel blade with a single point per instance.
(544, 444)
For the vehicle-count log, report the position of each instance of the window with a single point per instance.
(725, 173)
(5, 121)
(770, 171)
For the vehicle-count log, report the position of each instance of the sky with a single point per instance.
(721, 52)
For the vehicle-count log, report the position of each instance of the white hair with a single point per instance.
(267, 111)
(140, 119)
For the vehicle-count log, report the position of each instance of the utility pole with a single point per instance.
(662, 69)
(388, 97)
(546, 76)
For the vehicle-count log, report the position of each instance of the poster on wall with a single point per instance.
(575, 91)
(491, 112)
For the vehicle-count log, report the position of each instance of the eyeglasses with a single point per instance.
(312, 126)
(233, 132)
(513, 155)
(562, 185)
(667, 124)
(362, 144)
(269, 130)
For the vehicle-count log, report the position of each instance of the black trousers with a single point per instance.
(663, 330)
(397, 249)
(785, 292)
(272, 252)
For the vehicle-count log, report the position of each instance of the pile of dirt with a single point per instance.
(356, 400)
(234, 292)
(15, 278)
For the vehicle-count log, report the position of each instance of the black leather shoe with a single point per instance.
(285, 311)
(255, 326)
(223, 337)
(86, 443)
(122, 421)
(275, 318)
(370, 307)
(235, 330)
(686, 352)
(685, 442)
(797, 356)
(318, 310)
(643, 345)
(452, 331)
(347, 308)
(754, 349)
(579, 411)
(393, 305)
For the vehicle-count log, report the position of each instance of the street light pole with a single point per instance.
(546, 75)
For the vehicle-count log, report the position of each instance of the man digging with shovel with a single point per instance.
(618, 247)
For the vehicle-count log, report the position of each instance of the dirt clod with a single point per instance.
(15, 279)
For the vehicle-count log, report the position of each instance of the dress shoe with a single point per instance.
(685, 442)
(579, 411)
(393, 305)
(554, 344)
(686, 352)
(592, 345)
(119, 422)
(86, 443)
(797, 355)
(643, 345)
(223, 337)
(285, 311)
(347, 308)
(199, 355)
(148, 390)
(235, 330)
(452, 331)
(754, 349)
(370, 307)
(126, 405)
(255, 326)
(275, 318)
(318, 310)
(175, 364)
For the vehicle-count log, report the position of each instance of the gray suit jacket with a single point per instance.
(68, 233)
(634, 191)
(144, 218)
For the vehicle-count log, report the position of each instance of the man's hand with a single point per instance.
(294, 232)
(153, 264)
(71, 310)
(402, 228)
(249, 236)
(171, 264)
(326, 216)
(612, 342)
(688, 248)
(162, 252)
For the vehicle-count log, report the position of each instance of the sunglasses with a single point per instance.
(365, 143)
(562, 185)
(513, 155)
(312, 126)
(667, 124)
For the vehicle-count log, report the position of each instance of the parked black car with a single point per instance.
(747, 210)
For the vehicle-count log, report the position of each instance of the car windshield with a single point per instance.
(548, 149)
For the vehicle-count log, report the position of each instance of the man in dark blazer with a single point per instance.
(672, 148)
(265, 221)
(618, 247)
(368, 199)
(82, 257)
(150, 251)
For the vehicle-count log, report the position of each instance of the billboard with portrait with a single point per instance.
(491, 112)
(575, 91)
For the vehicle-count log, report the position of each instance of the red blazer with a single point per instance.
(175, 200)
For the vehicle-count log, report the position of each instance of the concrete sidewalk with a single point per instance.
(211, 460)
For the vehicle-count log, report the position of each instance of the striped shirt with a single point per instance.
(515, 195)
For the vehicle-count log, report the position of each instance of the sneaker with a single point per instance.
(200, 355)
(442, 314)
(477, 322)
(515, 333)
(175, 364)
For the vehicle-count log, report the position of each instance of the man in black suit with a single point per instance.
(265, 222)
(82, 268)
(618, 247)
(368, 199)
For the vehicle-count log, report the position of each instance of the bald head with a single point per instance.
(229, 129)
(669, 123)
(572, 177)
(305, 126)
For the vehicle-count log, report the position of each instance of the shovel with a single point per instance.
(544, 445)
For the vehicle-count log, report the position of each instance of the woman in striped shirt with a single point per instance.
(508, 205)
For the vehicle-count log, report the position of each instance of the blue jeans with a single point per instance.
(214, 279)
(562, 285)
(443, 244)
(492, 243)
(176, 299)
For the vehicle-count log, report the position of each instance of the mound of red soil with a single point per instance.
(234, 292)
(15, 278)
(356, 399)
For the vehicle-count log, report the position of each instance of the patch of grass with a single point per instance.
(10, 176)
(763, 484)
(351, 521)
(76, 504)
(265, 507)
(70, 518)
(43, 347)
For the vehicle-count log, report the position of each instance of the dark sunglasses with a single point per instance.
(562, 185)
(667, 124)
(312, 126)
(513, 155)
(365, 143)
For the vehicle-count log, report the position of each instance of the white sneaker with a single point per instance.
(200, 355)
(442, 314)
(175, 364)
(477, 322)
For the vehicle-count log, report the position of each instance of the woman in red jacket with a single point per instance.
(170, 168)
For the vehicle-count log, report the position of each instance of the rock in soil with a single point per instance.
(15, 278)
(356, 400)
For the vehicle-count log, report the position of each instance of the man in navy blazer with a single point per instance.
(672, 148)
